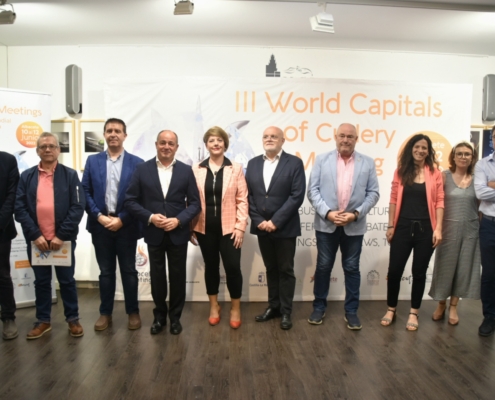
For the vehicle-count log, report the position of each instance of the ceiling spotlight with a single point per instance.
(6, 17)
(322, 22)
(184, 7)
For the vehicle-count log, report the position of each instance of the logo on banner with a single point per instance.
(26, 276)
(144, 277)
(261, 280)
(141, 257)
(23, 284)
(373, 278)
(28, 133)
(223, 279)
(271, 70)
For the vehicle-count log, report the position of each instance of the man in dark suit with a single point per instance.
(9, 178)
(164, 196)
(114, 231)
(276, 184)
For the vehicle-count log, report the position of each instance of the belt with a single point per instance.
(489, 218)
(112, 215)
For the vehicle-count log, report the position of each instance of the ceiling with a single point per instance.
(253, 23)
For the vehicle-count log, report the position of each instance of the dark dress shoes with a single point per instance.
(175, 328)
(286, 322)
(157, 327)
(269, 314)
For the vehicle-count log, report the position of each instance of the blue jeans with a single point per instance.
(110, 246)
(487, 247)
(350, 247)
(43, 289)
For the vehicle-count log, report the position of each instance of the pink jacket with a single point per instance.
(234, 199)
(434, 194)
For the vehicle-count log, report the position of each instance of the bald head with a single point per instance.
(273, 139)
(166, 147)
(345, 139)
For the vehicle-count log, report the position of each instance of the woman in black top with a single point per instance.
(415, 222)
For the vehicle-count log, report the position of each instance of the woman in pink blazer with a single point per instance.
(219, 227)
(414, 223)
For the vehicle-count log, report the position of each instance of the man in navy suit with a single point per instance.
(9, 178)
(276, 184)
(164, 196)
(343, 187)
(114, 231)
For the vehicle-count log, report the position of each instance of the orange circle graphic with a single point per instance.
(440, 144)
(28, 133)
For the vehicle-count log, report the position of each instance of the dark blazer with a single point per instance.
(9, 178)
(281, 202)
(94, 183)
(69, 203)
(145, 197)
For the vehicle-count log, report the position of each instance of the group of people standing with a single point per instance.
(169, 204)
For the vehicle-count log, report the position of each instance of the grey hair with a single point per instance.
(47, 134)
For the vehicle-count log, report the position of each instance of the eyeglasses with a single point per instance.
(270, 137)
(48, 146)
(463, 155)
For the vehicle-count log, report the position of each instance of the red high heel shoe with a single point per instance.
(235, 324)
(215, 320)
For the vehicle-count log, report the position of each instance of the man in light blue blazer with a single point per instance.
(114, 230)
(342, 188)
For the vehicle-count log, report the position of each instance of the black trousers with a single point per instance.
(213, 245)
(409, 236)
(278, 257)
(176, 256)
(7, 301)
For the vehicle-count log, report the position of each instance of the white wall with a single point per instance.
(3, 66)
(42, 69)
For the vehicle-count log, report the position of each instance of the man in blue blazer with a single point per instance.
(343, 187)
(9, 178)
(164, 196)
(276, 185)
(114, 231)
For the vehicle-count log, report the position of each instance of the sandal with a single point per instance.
(439, 317)
(453, 321)
(411, 326)
(388, 321)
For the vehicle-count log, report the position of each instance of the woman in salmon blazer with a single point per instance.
(219, 227)
(414, 223)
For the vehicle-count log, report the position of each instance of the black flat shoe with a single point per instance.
(286, 322)
(157, 327)
(269, 314)
(175, 328)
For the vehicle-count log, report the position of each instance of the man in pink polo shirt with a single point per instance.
(49, 206)
(342, 188)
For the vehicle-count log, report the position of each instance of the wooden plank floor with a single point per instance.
(258, 361)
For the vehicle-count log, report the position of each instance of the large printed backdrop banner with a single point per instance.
(23, 117)
(309, 111)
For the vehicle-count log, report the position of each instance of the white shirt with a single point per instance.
(269, 167)
(484, 172)
(165, 175)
